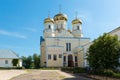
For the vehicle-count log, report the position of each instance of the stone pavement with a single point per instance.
(48, 75)
(7, 74)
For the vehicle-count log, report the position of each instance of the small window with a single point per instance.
(66, 46)
(49, 27)
(61, 25)
(69, 46)
(60, 55)
(64, 58)
(77, 27)
(49, 56)
(6, 61)
(75, 58)
(54, 57)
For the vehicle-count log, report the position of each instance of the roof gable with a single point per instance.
(8, 54)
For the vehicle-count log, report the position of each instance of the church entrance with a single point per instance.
(70, 61)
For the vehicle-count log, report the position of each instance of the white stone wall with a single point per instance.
(54, 50)
(20, 63)
(61, 24)
(2, 63)
(75, 42)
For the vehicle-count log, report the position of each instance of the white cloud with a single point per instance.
(30, 29)
(13, 34)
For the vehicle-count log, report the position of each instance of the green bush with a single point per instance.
(74, 70)
(80, 70)
(116, 75)
(108, 73)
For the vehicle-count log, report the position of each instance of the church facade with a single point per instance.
(62, 47)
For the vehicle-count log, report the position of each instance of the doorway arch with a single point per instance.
(70, 61)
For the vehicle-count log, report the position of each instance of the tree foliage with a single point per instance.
(104, 52)
(27, 61)
(31, 61)
(15, 62)
(36, 60)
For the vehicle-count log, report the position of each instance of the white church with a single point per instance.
(62, 47)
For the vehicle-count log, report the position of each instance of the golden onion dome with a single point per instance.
(60, 17)
(76, 21)
(47, 20)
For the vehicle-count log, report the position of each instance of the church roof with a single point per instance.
(8, 54)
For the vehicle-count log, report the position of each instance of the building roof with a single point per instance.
(8, 54)
(117, 29)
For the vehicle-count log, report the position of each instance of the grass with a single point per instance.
(62, 77)
(51, 68)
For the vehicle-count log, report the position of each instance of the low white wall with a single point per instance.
(2, 63)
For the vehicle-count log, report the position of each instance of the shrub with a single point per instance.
(74, 70)
(116, 75)
(80, 70)
(108, 72)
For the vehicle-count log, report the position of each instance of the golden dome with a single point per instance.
(60, 17)
(76, 21)
(48, 20)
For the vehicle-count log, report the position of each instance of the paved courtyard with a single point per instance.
(7, 74)
(48, 75)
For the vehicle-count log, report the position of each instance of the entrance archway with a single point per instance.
(70, 61)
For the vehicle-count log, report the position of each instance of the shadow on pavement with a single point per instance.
(77, 77)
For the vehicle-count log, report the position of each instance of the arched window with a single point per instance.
(68, 46)
(49, 27)
(77, 27)
(54, 57)
(61, 25)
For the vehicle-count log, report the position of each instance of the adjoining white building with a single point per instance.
(61, 46)
(115, 32)
(6, 57)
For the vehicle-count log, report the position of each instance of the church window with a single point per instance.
(57, 27)
(67, 46)
(64, 58)
(49, 56)
(60, 55)
(61, 25)
(6, 61)
(77, 27)
(54, 57)
(49, 27)
(75, 58)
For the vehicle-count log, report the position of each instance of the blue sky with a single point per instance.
(21, 21)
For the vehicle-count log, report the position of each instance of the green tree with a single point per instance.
(36, 60)
(27, 61)
(15, 62)
(24, 61)
(104, 52)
